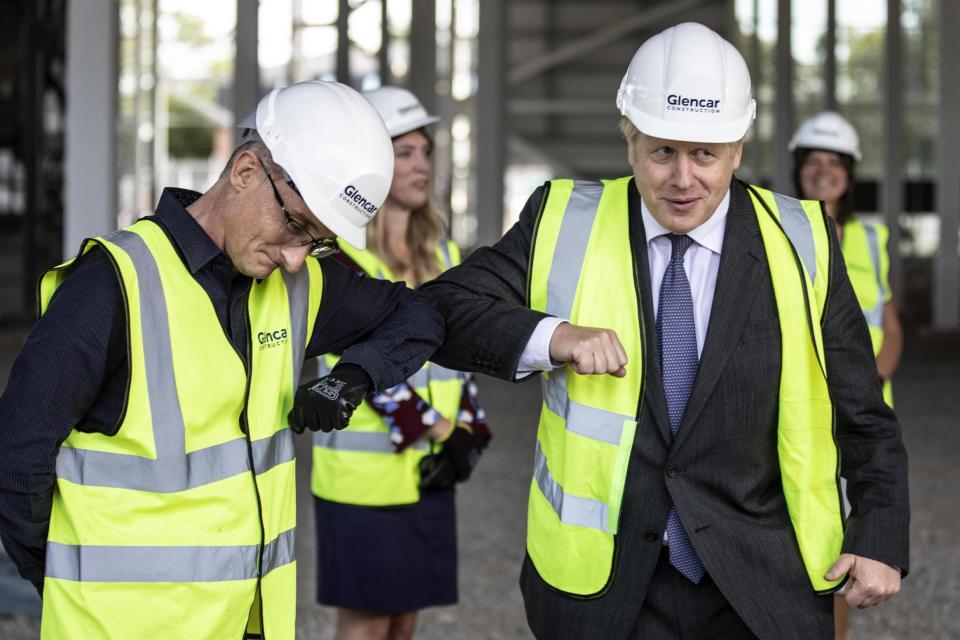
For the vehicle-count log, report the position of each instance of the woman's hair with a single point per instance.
(845, 206)
(424, 232)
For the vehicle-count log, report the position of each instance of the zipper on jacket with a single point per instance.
(245, 429)
(639, 416)
(643, 388)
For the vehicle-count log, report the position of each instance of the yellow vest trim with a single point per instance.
(168, 501)
(587, 423)
(359, 465)
(864, 248)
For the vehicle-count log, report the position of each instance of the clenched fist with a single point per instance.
(589, 350)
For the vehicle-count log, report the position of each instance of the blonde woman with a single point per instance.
(383, 487)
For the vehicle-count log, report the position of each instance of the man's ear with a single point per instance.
(737, 154)
(631, 154)
(245, 169)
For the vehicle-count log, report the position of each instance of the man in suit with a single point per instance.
(692, 492)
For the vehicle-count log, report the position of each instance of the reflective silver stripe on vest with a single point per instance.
(157, 352)
(420, 379)
(875, 316)
(571, 509)
(322, 367)
(280, 551)
(568, 258)
(298, 294)
(362, 441)
(581, 419)
(170, 475)
(173, 470)
(571, 247)
(797, 227)
(442, 374)
(165, 564)
(445, 252)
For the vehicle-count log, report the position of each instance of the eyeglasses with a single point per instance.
(319, 247)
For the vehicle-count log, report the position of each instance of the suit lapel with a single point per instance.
(738, 276)
(653, 390)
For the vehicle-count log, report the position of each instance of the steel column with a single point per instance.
(90, 193)
(946, 274)
(830, 59)
(784, 100)
(753, 153)
(383, 56)
(423, 52)
(490, 135)
(246, 65)
(343, 42)
(893, 127)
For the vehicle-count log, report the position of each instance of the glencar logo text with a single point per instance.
(269, 339)
(697, 105)
(352, 196)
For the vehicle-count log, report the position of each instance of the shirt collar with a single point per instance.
(193, 243)
(708, 235)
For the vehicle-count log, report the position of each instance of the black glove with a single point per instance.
(462, 448)
(455, 462)
(327, 403)
(436, 473)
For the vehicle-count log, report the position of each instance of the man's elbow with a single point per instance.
(434, 323)
(432, 291)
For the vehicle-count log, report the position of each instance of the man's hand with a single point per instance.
(327, 403)
(870, 582)
(589, 350)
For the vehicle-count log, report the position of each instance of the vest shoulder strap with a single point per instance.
(804, 222)
(367, 260)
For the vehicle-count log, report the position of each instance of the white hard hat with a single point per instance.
(334, 147)
(687, 83)
(830, 131)
(400, 110)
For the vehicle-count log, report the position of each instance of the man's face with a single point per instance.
(268, 229)
(682, 183)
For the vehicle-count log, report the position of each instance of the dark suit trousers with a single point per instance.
(677, 609)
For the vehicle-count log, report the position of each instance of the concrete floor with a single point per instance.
(492, 515)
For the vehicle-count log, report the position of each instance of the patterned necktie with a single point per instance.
(679, 362)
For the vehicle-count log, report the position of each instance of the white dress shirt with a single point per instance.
(700, 263)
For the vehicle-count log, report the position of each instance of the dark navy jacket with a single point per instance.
(73, 367)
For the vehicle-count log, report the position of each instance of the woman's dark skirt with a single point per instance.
(387, 560)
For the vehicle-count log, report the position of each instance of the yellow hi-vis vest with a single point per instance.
(359, 465)
(864, 248)
(587, 423)
(182, 524)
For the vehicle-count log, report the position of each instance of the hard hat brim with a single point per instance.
(324, 213)
(249, 122)
(732, 131)
(413, 126)
(856, 155)
(354, 236)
